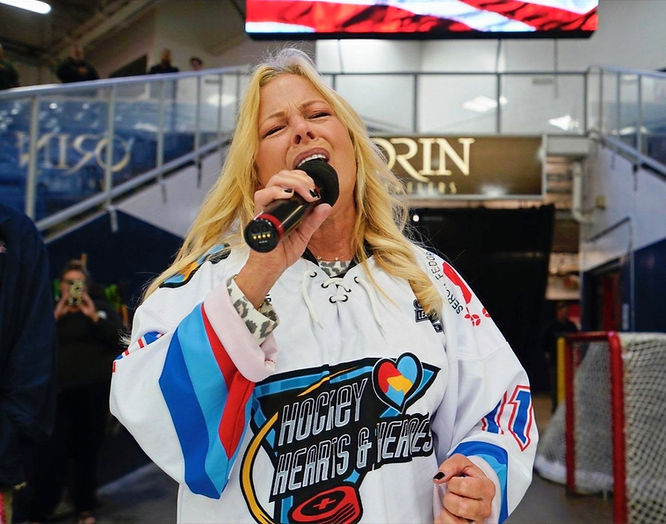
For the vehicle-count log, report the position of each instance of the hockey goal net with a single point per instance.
(609, 434)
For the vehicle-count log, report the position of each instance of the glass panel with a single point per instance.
(457, 104)
(233, 87)
(136, 124)
(535, 104)
(14, 137)
(653, 130)
(71, 147)
(179, 123)
(593, 100)
(609, 103)
(209, 112)
(328, 79)
(385, 102)
(628, 109)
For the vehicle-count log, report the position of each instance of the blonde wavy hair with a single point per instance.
(381, 216)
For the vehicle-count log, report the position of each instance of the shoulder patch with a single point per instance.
(215, 255)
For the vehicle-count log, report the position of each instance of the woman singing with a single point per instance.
(348, 375)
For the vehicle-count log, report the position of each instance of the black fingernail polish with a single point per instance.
(288, 189)
(439, 475)
(315, 193)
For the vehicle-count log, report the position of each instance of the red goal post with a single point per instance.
(634, 364)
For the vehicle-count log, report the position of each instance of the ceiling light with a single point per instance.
(481, 104)
(35, 6)
(563, 122)
(214, 100)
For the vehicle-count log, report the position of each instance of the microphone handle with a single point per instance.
(266, 230)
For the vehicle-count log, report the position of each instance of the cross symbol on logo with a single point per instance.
(324, 503)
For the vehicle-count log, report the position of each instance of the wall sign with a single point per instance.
(489, 167)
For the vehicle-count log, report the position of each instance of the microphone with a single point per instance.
(266, 230)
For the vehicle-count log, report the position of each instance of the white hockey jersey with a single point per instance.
(344, 412)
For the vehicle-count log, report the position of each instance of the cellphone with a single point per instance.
(75, 292)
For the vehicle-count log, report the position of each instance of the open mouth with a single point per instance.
(313, 156)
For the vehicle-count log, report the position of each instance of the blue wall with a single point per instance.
(650, 289)
(130, 258)
(650, 267)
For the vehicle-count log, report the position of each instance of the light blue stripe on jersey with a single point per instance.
(210, 389)
(497, 458)
(188, 420)
(286, 505)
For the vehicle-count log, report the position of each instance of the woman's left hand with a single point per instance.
(88, 308)
(469, 494)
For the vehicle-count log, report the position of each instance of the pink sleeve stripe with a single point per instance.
(253, 361)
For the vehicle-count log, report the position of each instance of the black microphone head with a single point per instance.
(324, 177)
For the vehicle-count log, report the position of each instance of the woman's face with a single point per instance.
(295, 122)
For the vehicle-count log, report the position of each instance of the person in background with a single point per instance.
(558, 327)
(337, 377)
(196, 63)
(8, 74)
(27, 349)
(88, 333)
(75, 68)
(164, 65)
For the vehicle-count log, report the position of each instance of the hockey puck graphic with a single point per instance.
(336, 505)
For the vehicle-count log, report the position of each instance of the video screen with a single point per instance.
(416, 19)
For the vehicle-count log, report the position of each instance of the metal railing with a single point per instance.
(67, 149)
(627, 111)
(88, 143)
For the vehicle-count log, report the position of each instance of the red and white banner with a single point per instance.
(420, 16)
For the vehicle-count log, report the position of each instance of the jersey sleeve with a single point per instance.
(184, 385)
(488, 416)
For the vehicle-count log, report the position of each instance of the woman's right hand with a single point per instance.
(262, 270)
(62, 307)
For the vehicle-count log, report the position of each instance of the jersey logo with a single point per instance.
(395, 380)
(324, 429)
(213, 256)
(421, 316)
(520, 416)
(340, 504)
(456, 280)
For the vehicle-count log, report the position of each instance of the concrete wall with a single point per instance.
(124, 45)
(184, 195)
(630, 34)
(613, 191)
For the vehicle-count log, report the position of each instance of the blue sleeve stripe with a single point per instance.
(188, 420)
(497, 458)
(151, 336)
(210, 389)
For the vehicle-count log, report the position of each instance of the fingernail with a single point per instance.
(439, 475)
(288, 189)
(315, 193)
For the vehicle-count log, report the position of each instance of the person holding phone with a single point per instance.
(88, 333)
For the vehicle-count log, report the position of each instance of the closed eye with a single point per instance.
(272, 131)
(320, 114)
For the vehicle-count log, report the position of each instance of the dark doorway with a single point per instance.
(503, 254)
(602, 298)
